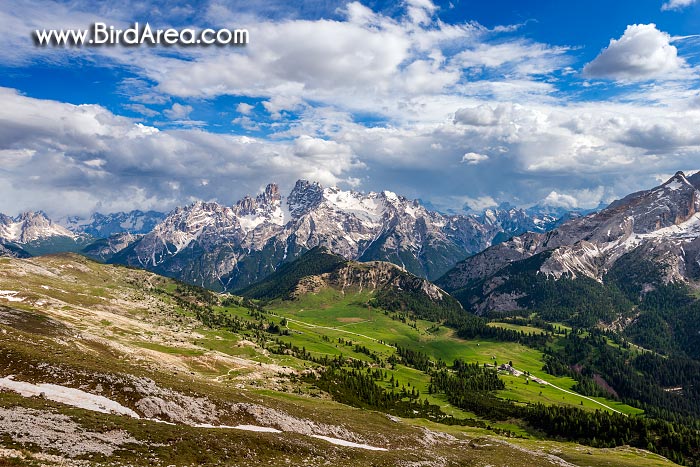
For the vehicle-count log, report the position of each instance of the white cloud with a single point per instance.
(643, 52)
(142, 109)
(280, 103)
(247, 123)
(483, 115)
(244, 109)
(69, 159)
(477, 204)
(364, 61)
(178, 111)
(420, 11)
(473, 158)
(586, 198)
(560, 200)
(517, 56)
(676, 4)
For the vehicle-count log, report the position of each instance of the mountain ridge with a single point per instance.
(238, 245)
(660, 225)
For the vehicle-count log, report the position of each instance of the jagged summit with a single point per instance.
(30, 226)
(228, 247)
(267, 200)
(304, 196)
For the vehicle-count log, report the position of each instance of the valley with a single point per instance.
(135, 338)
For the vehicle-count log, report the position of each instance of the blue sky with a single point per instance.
(460, 103)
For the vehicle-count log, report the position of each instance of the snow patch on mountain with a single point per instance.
(30, 226)
(104, 225)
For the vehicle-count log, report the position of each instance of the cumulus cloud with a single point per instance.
(473, 158)
(280, 103)
(560, 200)
(244, 109)
(178, 111)
(420, 10)
(478, 204)
(585, 198)
(676, 4)
(141, 109)
(483, 115)
(643, 52)
(70, 159)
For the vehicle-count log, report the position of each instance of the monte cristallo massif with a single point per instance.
(229, 247)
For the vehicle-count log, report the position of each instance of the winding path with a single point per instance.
(309, 325)
(577, 394)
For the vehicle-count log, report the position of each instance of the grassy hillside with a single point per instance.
(191, 357)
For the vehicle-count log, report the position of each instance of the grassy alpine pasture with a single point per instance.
(347, 317)
(134, 324)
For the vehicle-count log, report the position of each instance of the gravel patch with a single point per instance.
(59, 433)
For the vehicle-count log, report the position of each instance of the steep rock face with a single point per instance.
(376, 275)
(29, 227)
(660, 226)
(105, 248)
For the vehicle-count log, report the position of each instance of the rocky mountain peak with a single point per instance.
(304, 196)
(247, 205)
(30, 226)
(695, 180)
(263, 204)
(678, 178)
(271, 195)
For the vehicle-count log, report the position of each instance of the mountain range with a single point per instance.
(472, 256)
(103, 225)
(229, 247)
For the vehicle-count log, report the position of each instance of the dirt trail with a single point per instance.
(309, 325)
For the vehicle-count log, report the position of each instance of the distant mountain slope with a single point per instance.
(105, 225)
(29, 227)
(393, 288)
(13, 251)
(104, 249)
(636, 245)
(36, 234)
